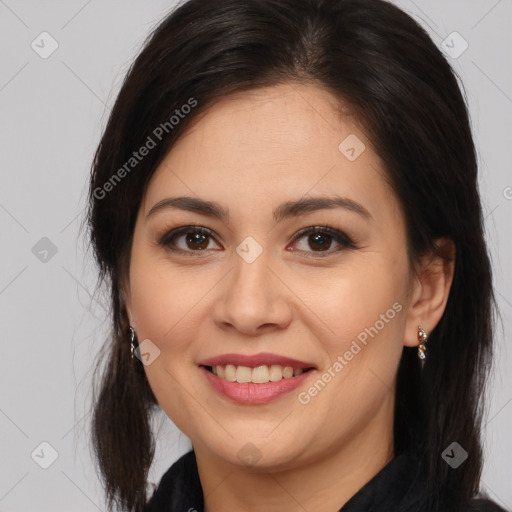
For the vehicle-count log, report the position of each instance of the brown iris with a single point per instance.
(197, 240)
(321, 241)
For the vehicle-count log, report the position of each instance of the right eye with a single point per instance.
(187, 239)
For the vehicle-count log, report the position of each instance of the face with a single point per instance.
(290, 252)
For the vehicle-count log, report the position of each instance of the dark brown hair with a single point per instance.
(384, 66)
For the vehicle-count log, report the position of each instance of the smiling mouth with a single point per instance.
(257, 375)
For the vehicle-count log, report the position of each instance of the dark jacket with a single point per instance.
(398, 487)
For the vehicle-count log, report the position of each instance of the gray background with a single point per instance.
(52, 112)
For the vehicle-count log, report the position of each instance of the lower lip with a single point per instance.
(251, 393)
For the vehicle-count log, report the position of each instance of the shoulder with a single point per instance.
(484, 504)
(479, 503)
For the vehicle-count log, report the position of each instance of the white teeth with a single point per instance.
(287, 372)
(243, 374)
(276, 373)
(259, 375)
(230, 372)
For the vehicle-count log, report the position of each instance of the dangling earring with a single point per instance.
(133, 340)
(422, 338)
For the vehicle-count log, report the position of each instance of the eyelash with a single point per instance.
(337, 236)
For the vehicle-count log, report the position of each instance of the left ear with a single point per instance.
(430, 290)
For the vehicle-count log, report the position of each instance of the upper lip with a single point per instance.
(252, 361)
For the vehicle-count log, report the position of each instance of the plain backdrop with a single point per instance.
(53, 109)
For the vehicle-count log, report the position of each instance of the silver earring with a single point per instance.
(422, 338)
(133, 340)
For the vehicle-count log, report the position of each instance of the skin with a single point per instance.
(250, 153)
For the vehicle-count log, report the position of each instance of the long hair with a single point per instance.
(382, 64)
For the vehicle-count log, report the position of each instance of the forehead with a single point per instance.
(279, 142)
(288, 118)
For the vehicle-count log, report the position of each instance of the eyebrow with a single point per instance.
(286, 210)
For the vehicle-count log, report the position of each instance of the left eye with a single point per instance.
(321, 239)
(317, 239)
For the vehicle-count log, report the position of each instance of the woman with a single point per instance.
(284, 205)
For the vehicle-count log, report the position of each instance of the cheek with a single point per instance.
(163, 299)
(165, 304)
(355, 296)
(364, 311)
(363, 307)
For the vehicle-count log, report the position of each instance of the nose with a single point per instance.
(253, 299)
